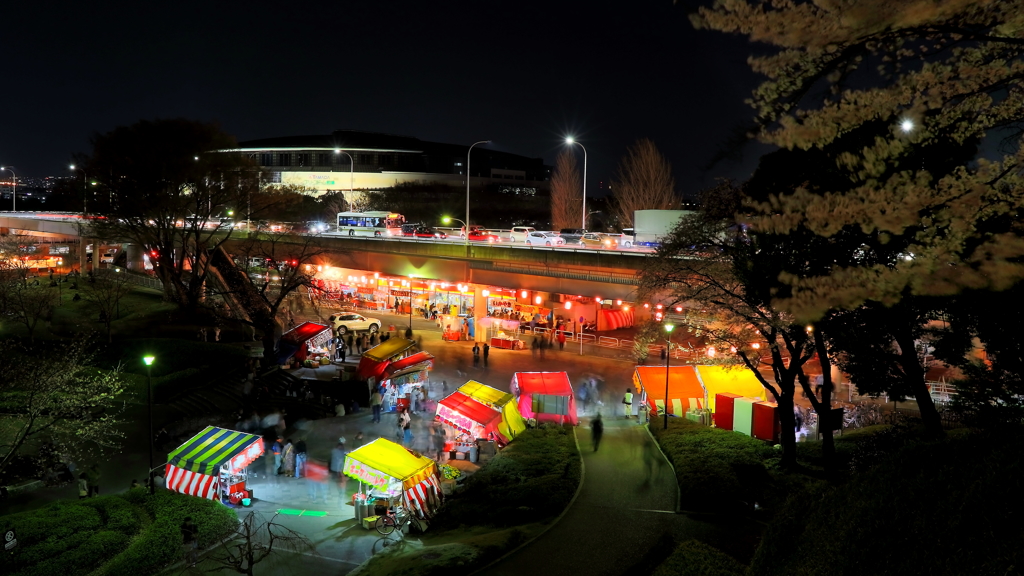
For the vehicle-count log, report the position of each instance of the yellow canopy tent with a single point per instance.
(731, 379)
(512, 423)
(392, 469)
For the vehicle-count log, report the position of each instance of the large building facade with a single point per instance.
(349, 160)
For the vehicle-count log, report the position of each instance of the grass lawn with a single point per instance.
(508, 501)
(125, 534)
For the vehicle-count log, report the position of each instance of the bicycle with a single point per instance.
(387, 523)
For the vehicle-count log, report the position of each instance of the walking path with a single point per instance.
(627, 502)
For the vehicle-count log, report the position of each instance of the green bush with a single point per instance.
(531, 480)
(158, 546)
(118, 514)
(694, 558)
(715, 466)
(942, 507)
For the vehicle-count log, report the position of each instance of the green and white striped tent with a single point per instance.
(194, 468)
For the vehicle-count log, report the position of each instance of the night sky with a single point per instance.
(523, 74)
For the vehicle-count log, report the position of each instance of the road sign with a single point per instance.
(10, 540)
(582, 319)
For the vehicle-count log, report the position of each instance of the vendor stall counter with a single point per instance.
(212, 464)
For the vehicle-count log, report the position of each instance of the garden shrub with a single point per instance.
(938, 507)
(531, 480)
(694, 558)
(716, 466)
(118, 514)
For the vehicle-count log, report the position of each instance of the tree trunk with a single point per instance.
(914, 376)
(824, 410)
(788, 435)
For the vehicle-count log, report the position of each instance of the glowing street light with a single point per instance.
(907, 125)
(351, 176)
(468, 153)
(14, 188)
(570, 141)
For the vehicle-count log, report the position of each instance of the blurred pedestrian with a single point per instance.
(561, 339)
(596, 430)
(476, 355)
(289, 458)
(190, 541)
(83, 486)
(350, 341)
(375, 402)
(405, 423)
(627, 403)
(487, 352)
(316, 480)
(300, 458)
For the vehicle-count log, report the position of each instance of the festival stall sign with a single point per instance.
(512, 423)
(375, 360)
(296, 341)
(391, 470)
(545, 396)
(472, 417)
(198, 466)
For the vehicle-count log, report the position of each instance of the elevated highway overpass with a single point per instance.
(563, 270)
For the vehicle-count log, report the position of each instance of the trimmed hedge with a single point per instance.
(531, 480)
(73, 538)
(715, 466)
(944, 507)
(695, 558)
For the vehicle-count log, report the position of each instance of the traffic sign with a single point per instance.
(10, 540)
(582, 319)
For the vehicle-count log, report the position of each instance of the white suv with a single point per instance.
(520, 233)
(544, 239)
(344, 322)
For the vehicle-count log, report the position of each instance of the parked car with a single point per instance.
(108, 256)
(572, 235)
(344, 322)
(599, 240)
(482, 235)
(544, 239)
(520, 233)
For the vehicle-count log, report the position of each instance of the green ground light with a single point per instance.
(294, 512)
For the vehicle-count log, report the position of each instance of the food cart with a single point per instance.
(545, 397)
(307, 340)
(512, 423)
(405, 377)
(469, 421)
(388, 471)
(375, 360)
(213, 465)
(693, 388)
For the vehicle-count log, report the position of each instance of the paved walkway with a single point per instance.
(627, 502)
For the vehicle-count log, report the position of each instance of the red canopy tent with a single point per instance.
(292, 341)
(376, 359)
(471, 416)
(545, 396)
(406, 365)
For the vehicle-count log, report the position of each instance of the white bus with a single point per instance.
(370, 223)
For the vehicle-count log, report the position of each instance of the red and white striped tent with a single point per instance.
(392, 470)
(195, 467)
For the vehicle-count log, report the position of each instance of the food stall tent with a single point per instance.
(298, 341)
(472, 419)
(404, 377)
(375, 360)
(390, 471)
(545, 396)
(692, 387)
(212, 464)
(512, 423)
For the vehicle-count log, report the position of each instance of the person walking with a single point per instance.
(337, 466)
(596, 430)
(375, 402)
(289, 458)
(487, 352)
(627, 403)
(83, 486)
(584, 394)
(350, 341)
(316, 480)
(534, 347)
(93, 475)
(190, 541)
(405, 421)
(476, 355)
(561, 339)
(300, 458)
(359, 345)
(341, 351)
(278, 449)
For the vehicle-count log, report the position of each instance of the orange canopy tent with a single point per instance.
(693, 387)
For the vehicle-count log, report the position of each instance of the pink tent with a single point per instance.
(545, 396)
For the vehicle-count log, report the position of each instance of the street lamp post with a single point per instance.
(14, 188)
(668, 358)
(351, 175)
(149, 401)
(85, 189)
(570, 141)
(466, 223)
